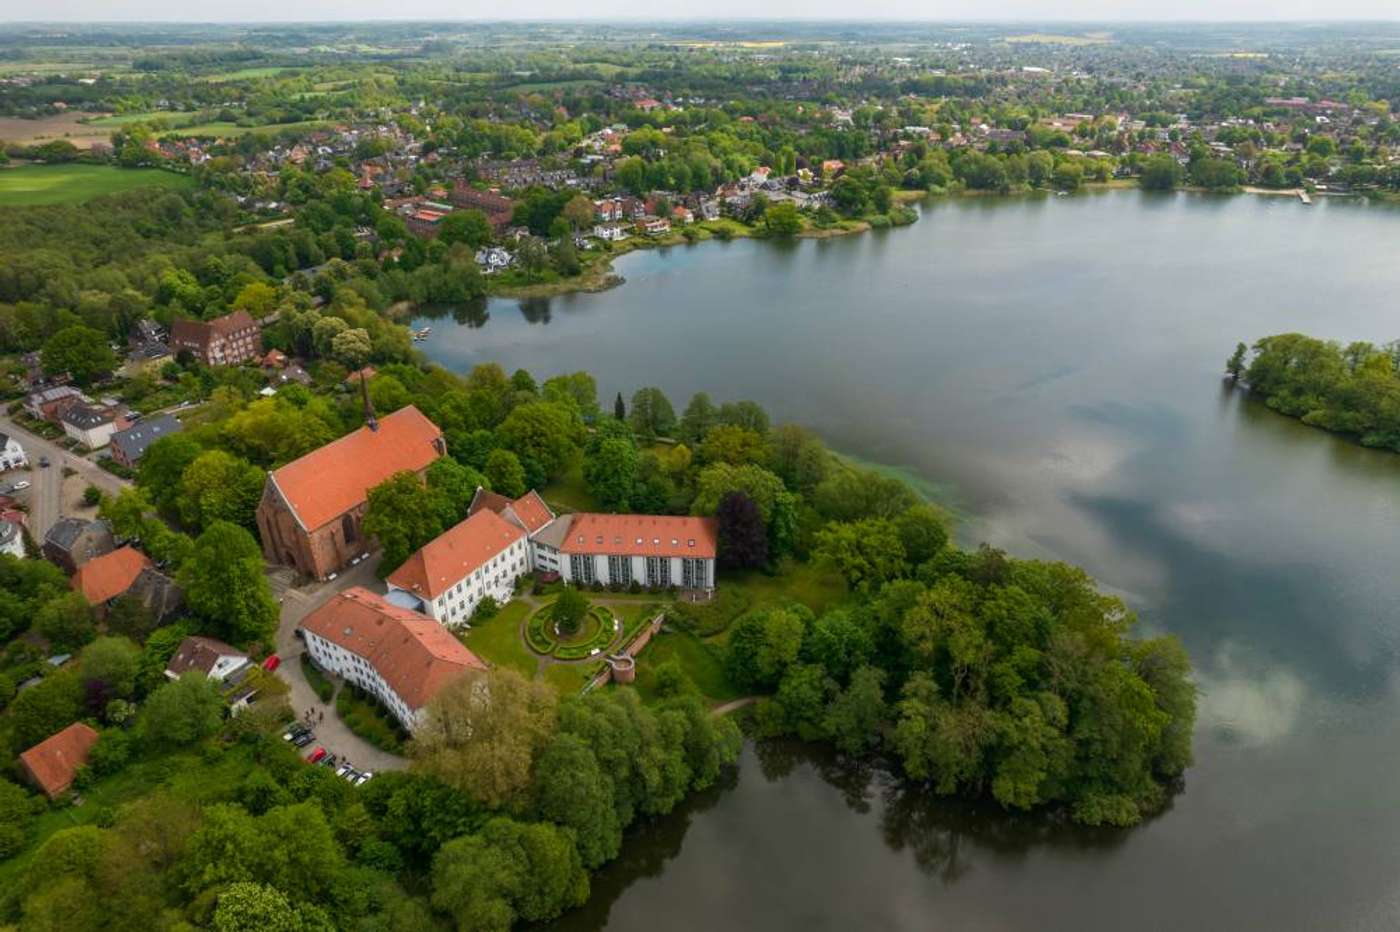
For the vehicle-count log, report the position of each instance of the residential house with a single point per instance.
(157, 593)
(682, 215)
(71, 542)
(12, 455)
(12, 538)
(399, 656)
(493, 259)
(106, 577)
(52, 763)
(483, 556)
(50, 403)
(90, 425)
(654, 226)
(224, 341)
(209, 656)
(312, 509)
(654, 551)
(612, 232)
(128, 446)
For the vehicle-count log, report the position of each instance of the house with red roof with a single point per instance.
(52, 763)
(401, 657)
(312, 509)
(224, 341)
(103, 578)
(483, 556)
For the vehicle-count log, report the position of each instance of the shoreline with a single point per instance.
(601, 277)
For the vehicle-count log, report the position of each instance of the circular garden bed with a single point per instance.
(597, 630)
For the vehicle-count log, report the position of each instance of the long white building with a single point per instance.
(401, 657)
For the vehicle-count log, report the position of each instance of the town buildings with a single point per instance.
(312, 509)
(224, 341)
(498, 210)
(483, 556)
(49, 404)
(402, 658)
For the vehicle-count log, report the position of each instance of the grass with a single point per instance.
(223, 128)
(703, 663)
(803, 582)
(568, 678)
(126, 119)
(245, 74)
(498, 641)
(569, 492)
(73, 183)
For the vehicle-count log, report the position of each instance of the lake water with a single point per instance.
(1051, 369)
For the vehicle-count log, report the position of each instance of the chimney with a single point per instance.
(370, 420)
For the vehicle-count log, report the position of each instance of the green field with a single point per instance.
(245, 74)
(125, 119)
(29, 185)
(221, 128)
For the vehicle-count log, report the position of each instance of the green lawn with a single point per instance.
(568, 679)
(125, 119)
(702, 662)
(498, 641)
(805, 582)
(74, 183)
(570, 492)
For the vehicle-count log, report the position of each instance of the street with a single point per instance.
(44, 495)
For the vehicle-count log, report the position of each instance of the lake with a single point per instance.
(1051, 369)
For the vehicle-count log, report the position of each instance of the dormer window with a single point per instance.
(691, 542)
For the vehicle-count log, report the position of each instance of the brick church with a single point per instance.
(312, 509)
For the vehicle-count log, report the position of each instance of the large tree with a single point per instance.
(182, 712)
(480, 734)
(743, 536)
(80, 351)
(652, 414)
(226, 586)
(403, 515)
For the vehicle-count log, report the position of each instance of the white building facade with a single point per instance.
(483, 556)
(12, 455)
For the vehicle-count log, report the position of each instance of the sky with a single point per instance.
(945, 10)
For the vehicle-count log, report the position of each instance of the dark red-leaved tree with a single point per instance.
(743, 538)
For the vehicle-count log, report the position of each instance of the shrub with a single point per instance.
(92, 496)
(486, 609)
(323, 687)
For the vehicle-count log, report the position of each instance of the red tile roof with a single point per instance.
(454, 554)
(108, 576)
(326, 483)
(642, 535)
(415, 655)
(52, 762)
(532, 510)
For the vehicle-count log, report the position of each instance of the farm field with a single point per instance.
(245, 74)
(29, 185)
(68, 126)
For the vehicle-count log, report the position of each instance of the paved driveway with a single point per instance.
(331, 733)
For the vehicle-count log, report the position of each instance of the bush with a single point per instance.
(364, 716)
(323, 687)
(486, 609)
(92, 496)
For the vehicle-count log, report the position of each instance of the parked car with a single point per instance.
(19, 486)
(315, 756)
(364, 778)
(305, 738)
(272, 663)
(295, 731)
(344, 769)
(330, 761)
(43, 462)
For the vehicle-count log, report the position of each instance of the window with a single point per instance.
(347, 528)
(620, 570)
(658, 572)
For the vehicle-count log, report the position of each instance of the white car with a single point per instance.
(20, 486)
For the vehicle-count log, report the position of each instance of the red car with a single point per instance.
(272, 663)
(316, 756)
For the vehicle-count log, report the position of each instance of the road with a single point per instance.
(44, 494)
(331, 733)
